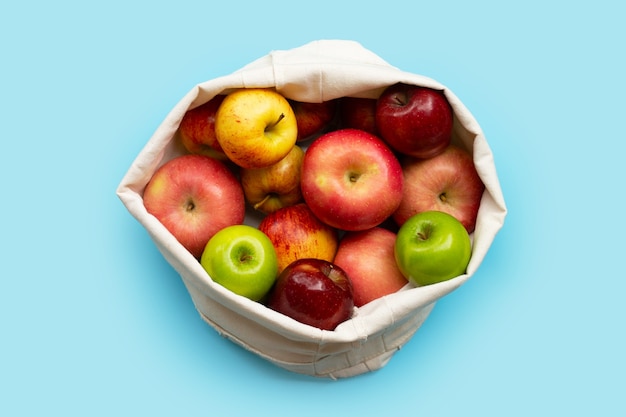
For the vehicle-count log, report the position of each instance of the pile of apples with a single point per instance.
(355, 197)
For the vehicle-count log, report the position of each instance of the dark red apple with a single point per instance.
(313, 118)
(358, 113)
(414, 120)
(314, 292)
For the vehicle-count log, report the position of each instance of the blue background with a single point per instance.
(94, 322)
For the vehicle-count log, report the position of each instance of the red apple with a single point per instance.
(447, 182)
(351, 180)
(197, 129)
(414, 120)
(358, 113)
(296, 233)
(312, 118)
(313, 292)
(274, 186)
(368, 258)
(194, 196)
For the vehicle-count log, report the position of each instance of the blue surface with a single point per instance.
(94, 322)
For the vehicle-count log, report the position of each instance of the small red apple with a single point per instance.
(197, 129)
(351, 180)
(194, 196)
(296, 233)
(358, 113)
(447, 182)
(313, 118)
(414, 120)
(368, 258)
(313, 292)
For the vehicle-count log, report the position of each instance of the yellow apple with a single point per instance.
(256, 127)
(278, 185)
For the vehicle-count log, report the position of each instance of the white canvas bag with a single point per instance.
(318, 71)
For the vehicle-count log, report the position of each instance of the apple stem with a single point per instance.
(400, 100)
(190, 206)
(281, 117)
(424, 234)
(260, 203)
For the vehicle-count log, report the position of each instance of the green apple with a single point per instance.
(242, 259)
(431, 247)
